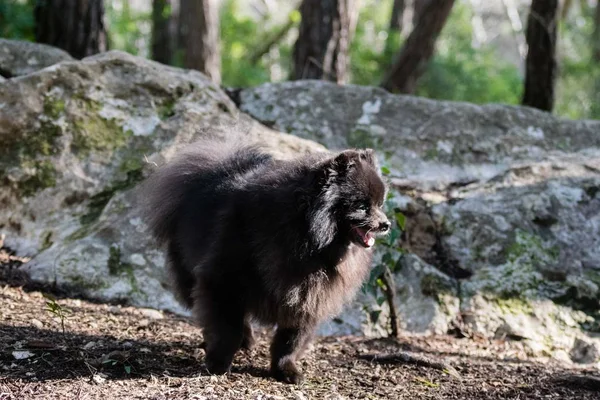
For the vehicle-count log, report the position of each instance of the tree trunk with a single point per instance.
(419, 7)
(396, 30)
(321, 51)
(200, 34)
(396, 19)
(540, 65)
(76, 26)
(418, 48)
(162, 39)
(271, 42)
(596, 38)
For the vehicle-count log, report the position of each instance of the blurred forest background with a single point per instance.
(542, 53)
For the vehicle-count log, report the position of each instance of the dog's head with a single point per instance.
(351, 200)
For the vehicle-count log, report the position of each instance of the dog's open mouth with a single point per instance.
(364, 237)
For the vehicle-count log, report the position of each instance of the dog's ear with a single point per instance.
(369, 156)
(322, 222)
(322, 216)
(345, 161)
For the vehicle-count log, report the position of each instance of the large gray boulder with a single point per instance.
(76, 139)
(21, 58)
(502, 202)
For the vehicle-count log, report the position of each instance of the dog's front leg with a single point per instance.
(288, 346)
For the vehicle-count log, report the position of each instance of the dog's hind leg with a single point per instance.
(248, 341)
(182, 279)
(221, 317)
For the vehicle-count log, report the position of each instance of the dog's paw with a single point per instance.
(287, 372)
(217, 366)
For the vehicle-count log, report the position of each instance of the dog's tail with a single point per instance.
(199, 165)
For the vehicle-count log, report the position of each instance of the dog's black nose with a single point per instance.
(384, 226)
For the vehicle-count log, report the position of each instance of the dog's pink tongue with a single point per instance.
(369, 240)
(366, 237)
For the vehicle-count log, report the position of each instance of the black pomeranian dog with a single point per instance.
(253, 239)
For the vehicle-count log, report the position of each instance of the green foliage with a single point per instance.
(16, 19)
(578, 86)
(460, 72)
(373, 47)
(390, 259)
(116, 359)
(112, 363)
(57, 310)
(239, 36)
(128, 29)
(242, 37)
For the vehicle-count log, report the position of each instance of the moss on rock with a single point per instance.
(532, 247)
(44, 176)
(53, 108)
(95, 133)
(41, 141)
(99, 201)
(167, 109)
(31, 152)
(117, 267)
(513, 305)
(436, 286)
(46, 240)
(80, 233)
(82, 282)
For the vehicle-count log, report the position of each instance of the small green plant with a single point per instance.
(112, 363)
(115, 358)
(57, 310)
(381, 281)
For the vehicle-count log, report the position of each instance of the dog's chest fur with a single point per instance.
(319, 295)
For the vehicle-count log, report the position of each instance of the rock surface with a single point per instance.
(76, 138)
(21, 58)
(501, 204)
(503, 200)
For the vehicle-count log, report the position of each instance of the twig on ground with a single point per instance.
(407, 358)
(390, 295)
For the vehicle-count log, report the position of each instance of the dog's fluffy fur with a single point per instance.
(251, 238)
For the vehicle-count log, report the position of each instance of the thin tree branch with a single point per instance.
(390, 295)
(269, 43)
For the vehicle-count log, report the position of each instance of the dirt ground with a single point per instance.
(119, 352)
